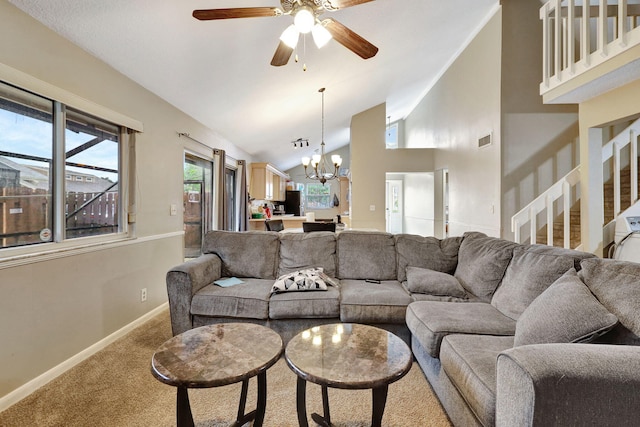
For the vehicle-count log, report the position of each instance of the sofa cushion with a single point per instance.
(305, 305)
(470, 363)
(366, 255)
(482, 262)
(426, 252)
(441, 298)
(566, 312)
(303, 250)
(616, 284)
(248, 300)
(426, 281)
(431, 321)
(235, 249)
(363, 302)
(532, 270)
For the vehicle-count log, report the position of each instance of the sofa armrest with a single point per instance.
(568, 384)
(183, 281)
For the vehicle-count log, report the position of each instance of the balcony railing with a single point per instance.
(577, 38)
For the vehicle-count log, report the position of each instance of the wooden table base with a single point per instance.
(184, 416)
(379, 400)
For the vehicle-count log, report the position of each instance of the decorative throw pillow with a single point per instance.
(426, 281)
(565, 312)
(310, 279)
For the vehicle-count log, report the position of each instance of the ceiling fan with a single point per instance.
(306, 19)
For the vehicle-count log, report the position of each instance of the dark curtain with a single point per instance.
(243, 196)
(219, 189)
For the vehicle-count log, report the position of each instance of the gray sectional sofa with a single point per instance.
(500, 329)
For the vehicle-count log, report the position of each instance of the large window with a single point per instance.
(318, 196)
(60, 172)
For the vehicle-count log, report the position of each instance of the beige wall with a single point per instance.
(539, 142)
(463, 106)
(370, 161)
(618, 105)
(493, 88)
(54, 306)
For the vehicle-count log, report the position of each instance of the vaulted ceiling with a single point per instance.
(219, 72)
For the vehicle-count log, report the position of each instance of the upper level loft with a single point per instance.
(588, 51)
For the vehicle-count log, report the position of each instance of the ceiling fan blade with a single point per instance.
(350, 40)
(235, 12)
(282, 55)
(341, 4)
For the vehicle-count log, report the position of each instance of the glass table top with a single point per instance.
(347, 355)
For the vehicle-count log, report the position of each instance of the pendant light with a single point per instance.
(322, 169)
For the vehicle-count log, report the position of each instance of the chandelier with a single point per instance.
(322, 170)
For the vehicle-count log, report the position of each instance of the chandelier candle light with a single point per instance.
(321, 167)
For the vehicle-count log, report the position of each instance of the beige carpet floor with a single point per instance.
(114, 387)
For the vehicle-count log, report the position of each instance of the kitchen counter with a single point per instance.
(288, 220)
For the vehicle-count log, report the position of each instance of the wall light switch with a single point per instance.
(372, 208)
(174, 209)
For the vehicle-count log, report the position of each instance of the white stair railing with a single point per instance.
(578, 38)
(621, 149)
(622, 146)
(563, 189)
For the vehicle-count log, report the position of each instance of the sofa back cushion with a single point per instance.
(431, 282)
(245, 254)
(426, 252)
(303, 250)
(366, 255)
(482, 262)
(532, 269)
(565, 312)
(616, 284)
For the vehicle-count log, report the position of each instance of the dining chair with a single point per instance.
(308, 227)
(274, 225)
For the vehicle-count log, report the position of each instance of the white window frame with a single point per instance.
(392, 136)
(59, 246)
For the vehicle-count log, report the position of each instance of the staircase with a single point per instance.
(574, 224)
(558, 229)
(619, 192)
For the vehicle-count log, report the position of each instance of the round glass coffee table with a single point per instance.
(217, 355)
(346, 356)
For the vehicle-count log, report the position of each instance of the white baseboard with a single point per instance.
(28, 388)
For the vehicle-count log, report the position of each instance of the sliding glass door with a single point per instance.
(197, 202)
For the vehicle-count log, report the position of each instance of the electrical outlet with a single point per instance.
(173, 209)
(143, 294)
(372, 208)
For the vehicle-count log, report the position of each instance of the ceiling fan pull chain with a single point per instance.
(304, 52)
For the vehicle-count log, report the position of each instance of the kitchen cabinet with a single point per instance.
(279, 188)
(267, 182)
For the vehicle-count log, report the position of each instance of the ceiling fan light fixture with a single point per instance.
(290, 36)
(304, 19)
(321, 35)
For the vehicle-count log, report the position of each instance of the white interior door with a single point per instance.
(394, 206)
